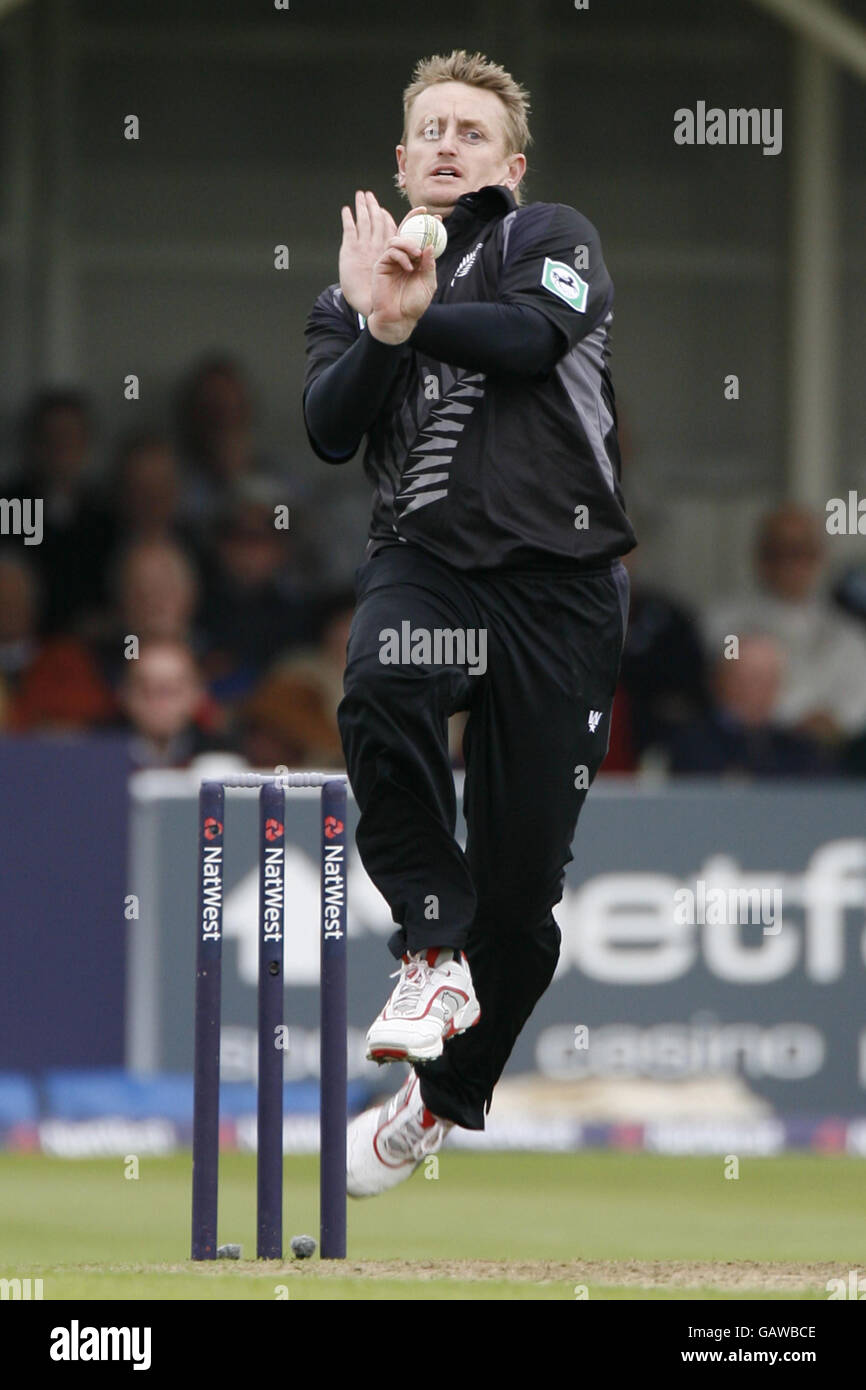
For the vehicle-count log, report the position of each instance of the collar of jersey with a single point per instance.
(482, 205)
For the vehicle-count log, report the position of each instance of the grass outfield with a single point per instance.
(501, 1226)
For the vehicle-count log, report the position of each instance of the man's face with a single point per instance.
(157, 593)
(749, 687)
(790, 560)
(63, 444)
(162, 691)
(455, 127)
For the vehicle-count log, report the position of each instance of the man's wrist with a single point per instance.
(392, 334)
(357, 303)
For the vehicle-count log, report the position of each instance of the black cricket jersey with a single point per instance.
(498, 470)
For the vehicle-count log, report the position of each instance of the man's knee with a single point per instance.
(518, 899)
(374, 696)
(522, 924)
(544, 943)
(402, 694)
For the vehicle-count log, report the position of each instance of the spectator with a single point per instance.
(19, 620)
(157, 592)
(216, 439)
(62, 691)
(72, 682)
(252, 607)
(823, 692)
(621, 756)
(663, 675)
(166, 707)
(849, 593)
(290, 718)
(146, 492)
(739, 737)
(56, 467)
(141, 502)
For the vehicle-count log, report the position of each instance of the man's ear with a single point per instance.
(516, 170)
(400, 175)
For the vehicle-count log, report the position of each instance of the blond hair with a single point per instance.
(476, 71)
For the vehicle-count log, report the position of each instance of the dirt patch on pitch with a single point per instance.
(656, 1274)
(723, 1276)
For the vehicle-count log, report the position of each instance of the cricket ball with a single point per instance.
(425, 230)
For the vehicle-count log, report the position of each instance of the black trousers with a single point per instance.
(537, 732)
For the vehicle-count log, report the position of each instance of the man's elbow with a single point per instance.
(336, 459)
(544, 344)
(546, 362)
(323, 443)
(334, 454)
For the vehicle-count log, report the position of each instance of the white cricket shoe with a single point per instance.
(385, 1145)
(432, 1001)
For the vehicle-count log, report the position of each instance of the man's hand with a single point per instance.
(404, 282)
(364, 239)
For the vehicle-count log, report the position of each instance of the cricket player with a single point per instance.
(492, 584)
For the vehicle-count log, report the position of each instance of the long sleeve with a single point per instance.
(342, 402)
(497, 339)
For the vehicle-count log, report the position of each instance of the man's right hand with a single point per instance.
(404, 283)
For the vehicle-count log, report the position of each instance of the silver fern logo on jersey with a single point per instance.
(467, 263)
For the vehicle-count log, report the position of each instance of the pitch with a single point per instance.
(600, 1225)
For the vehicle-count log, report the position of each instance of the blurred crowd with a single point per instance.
(185, 593)
(179, 593)
(768, 683)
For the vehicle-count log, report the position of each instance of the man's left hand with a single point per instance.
(365, 237)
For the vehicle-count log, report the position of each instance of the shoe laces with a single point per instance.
(414, 977)
(417, 1139)
(420, 1139)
